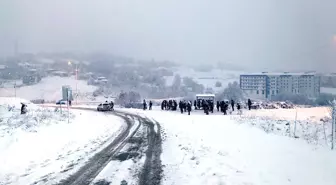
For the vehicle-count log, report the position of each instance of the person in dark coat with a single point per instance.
(232, 104)
(162, 105)
(144, 105)
(221, 106)
(206, 107)
(23, 108)
(238, 108)
(195, 104)
(174, 105)
(226, 106)
(150, 105)
(212, 106)
(112, 105)
(217, 105)
(249, 104)
(69, 102)
(199, 104)
(189, 107)
(181, 107)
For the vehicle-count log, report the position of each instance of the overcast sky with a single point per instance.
(260, 34)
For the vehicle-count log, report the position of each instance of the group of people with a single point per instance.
(207, 106)
(169, 105)
(183, 105)
(145, 105)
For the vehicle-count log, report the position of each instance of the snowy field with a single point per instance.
(218, 149)
(328, 90)
(43, 145)
(50, 89)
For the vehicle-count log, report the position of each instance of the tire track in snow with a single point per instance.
(86, 174)
(151, 173)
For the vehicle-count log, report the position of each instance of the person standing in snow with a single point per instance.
(195, 104)
(217, 105)
(189, 107)
(249, 104)
(23, 108)
(232, 104)
(112, 105)
(206, 107)
(239, 109)
(150, 105)
(226, 106)
(180, 106)
(184, 103)
(144, 105)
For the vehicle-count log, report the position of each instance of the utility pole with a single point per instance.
(15, 89)
(68, 95)
(333, 118)
(76, 84)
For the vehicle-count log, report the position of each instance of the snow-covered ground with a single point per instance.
(312, 114)
(328, 90)
(218, 149)
(50, 89)
(43, 145)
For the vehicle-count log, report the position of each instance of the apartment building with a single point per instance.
(267, 85)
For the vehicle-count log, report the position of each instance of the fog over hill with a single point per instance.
(260, 35)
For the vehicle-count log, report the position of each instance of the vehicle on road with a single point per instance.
(104, 107)
(61, 102)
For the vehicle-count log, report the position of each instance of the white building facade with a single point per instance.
(267, 85)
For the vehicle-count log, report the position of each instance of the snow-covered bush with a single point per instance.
(318, 133)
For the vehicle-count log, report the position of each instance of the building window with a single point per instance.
(257, 91)
(263, 92)
(273, 92)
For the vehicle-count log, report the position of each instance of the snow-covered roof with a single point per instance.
(205, 95)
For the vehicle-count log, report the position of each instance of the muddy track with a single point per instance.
(86, 174)
(151, 173)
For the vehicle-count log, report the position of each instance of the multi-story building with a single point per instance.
(266, 85)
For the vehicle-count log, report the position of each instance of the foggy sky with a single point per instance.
(260, 34)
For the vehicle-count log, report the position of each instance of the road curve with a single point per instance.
(151, 172)
(86, 174)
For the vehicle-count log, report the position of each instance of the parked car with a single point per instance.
(104, 107)
(61, 102)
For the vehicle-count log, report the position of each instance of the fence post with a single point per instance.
(295, 122)
(333, 116)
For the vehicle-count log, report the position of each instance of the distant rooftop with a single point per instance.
(282, 73)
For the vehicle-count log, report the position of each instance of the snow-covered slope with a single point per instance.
(50, 89)
(43, 145)
(215, 149)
